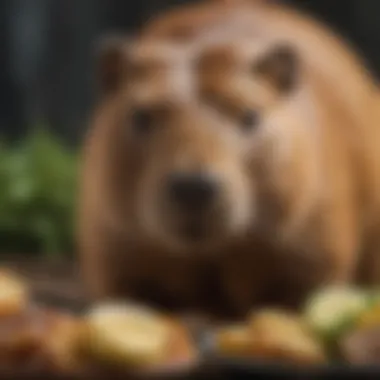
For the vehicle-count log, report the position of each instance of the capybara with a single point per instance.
(232, 156)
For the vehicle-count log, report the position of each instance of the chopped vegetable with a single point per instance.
(332, 310)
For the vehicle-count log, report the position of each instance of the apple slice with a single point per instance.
(14, 293)
(126, 334)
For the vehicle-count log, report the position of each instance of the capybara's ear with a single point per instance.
(112, 62)
(280, 66)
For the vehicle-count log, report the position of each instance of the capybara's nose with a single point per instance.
(192, 192)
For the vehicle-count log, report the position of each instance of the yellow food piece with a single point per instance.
(369, 318)
(180, 351)
(62, 343)
(234, 340)
(277, 335)
(127, 335)
(14, 293)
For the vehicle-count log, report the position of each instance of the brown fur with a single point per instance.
(309, 176)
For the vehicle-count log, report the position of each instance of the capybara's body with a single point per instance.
(233, 158)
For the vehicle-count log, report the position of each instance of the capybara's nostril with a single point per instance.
(192, 191)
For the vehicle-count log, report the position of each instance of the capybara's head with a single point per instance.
(195, 121)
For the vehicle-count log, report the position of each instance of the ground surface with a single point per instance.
(54, 281)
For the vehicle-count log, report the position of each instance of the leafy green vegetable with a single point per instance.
(37, 195)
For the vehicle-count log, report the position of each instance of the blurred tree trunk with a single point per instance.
(68, 85)
(13, 118)
(75, 27)
(28, 38)
(47, 52)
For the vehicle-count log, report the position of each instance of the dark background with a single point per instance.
(47, 84)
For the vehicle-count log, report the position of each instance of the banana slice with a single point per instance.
(128, 335)
(331, 310)
(14, 293)
(280, 335)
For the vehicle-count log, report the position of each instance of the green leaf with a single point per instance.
(38, 180)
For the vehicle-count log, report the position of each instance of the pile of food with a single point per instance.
(337, 325)
(113, 336)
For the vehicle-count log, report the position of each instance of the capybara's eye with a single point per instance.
(142, 120)
(249, 120)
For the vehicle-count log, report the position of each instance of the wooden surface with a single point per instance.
(54, 281)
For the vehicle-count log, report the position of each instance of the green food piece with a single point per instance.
(332, 311)
(373, 297)
(38, 184)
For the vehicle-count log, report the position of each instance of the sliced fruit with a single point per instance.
(14, 293)
(128, 335)
(331, 311)
(281, 336)
(233, 341)
(181, 352)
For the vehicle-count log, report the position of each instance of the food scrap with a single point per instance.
(331, 311)
(337, 324)
(272, 336)
(135, 336)
(122, 335)
(130, 337)
(14, 293)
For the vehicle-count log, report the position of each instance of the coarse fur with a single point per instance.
(298, 199)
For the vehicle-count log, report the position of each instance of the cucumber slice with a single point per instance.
(332, 310)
